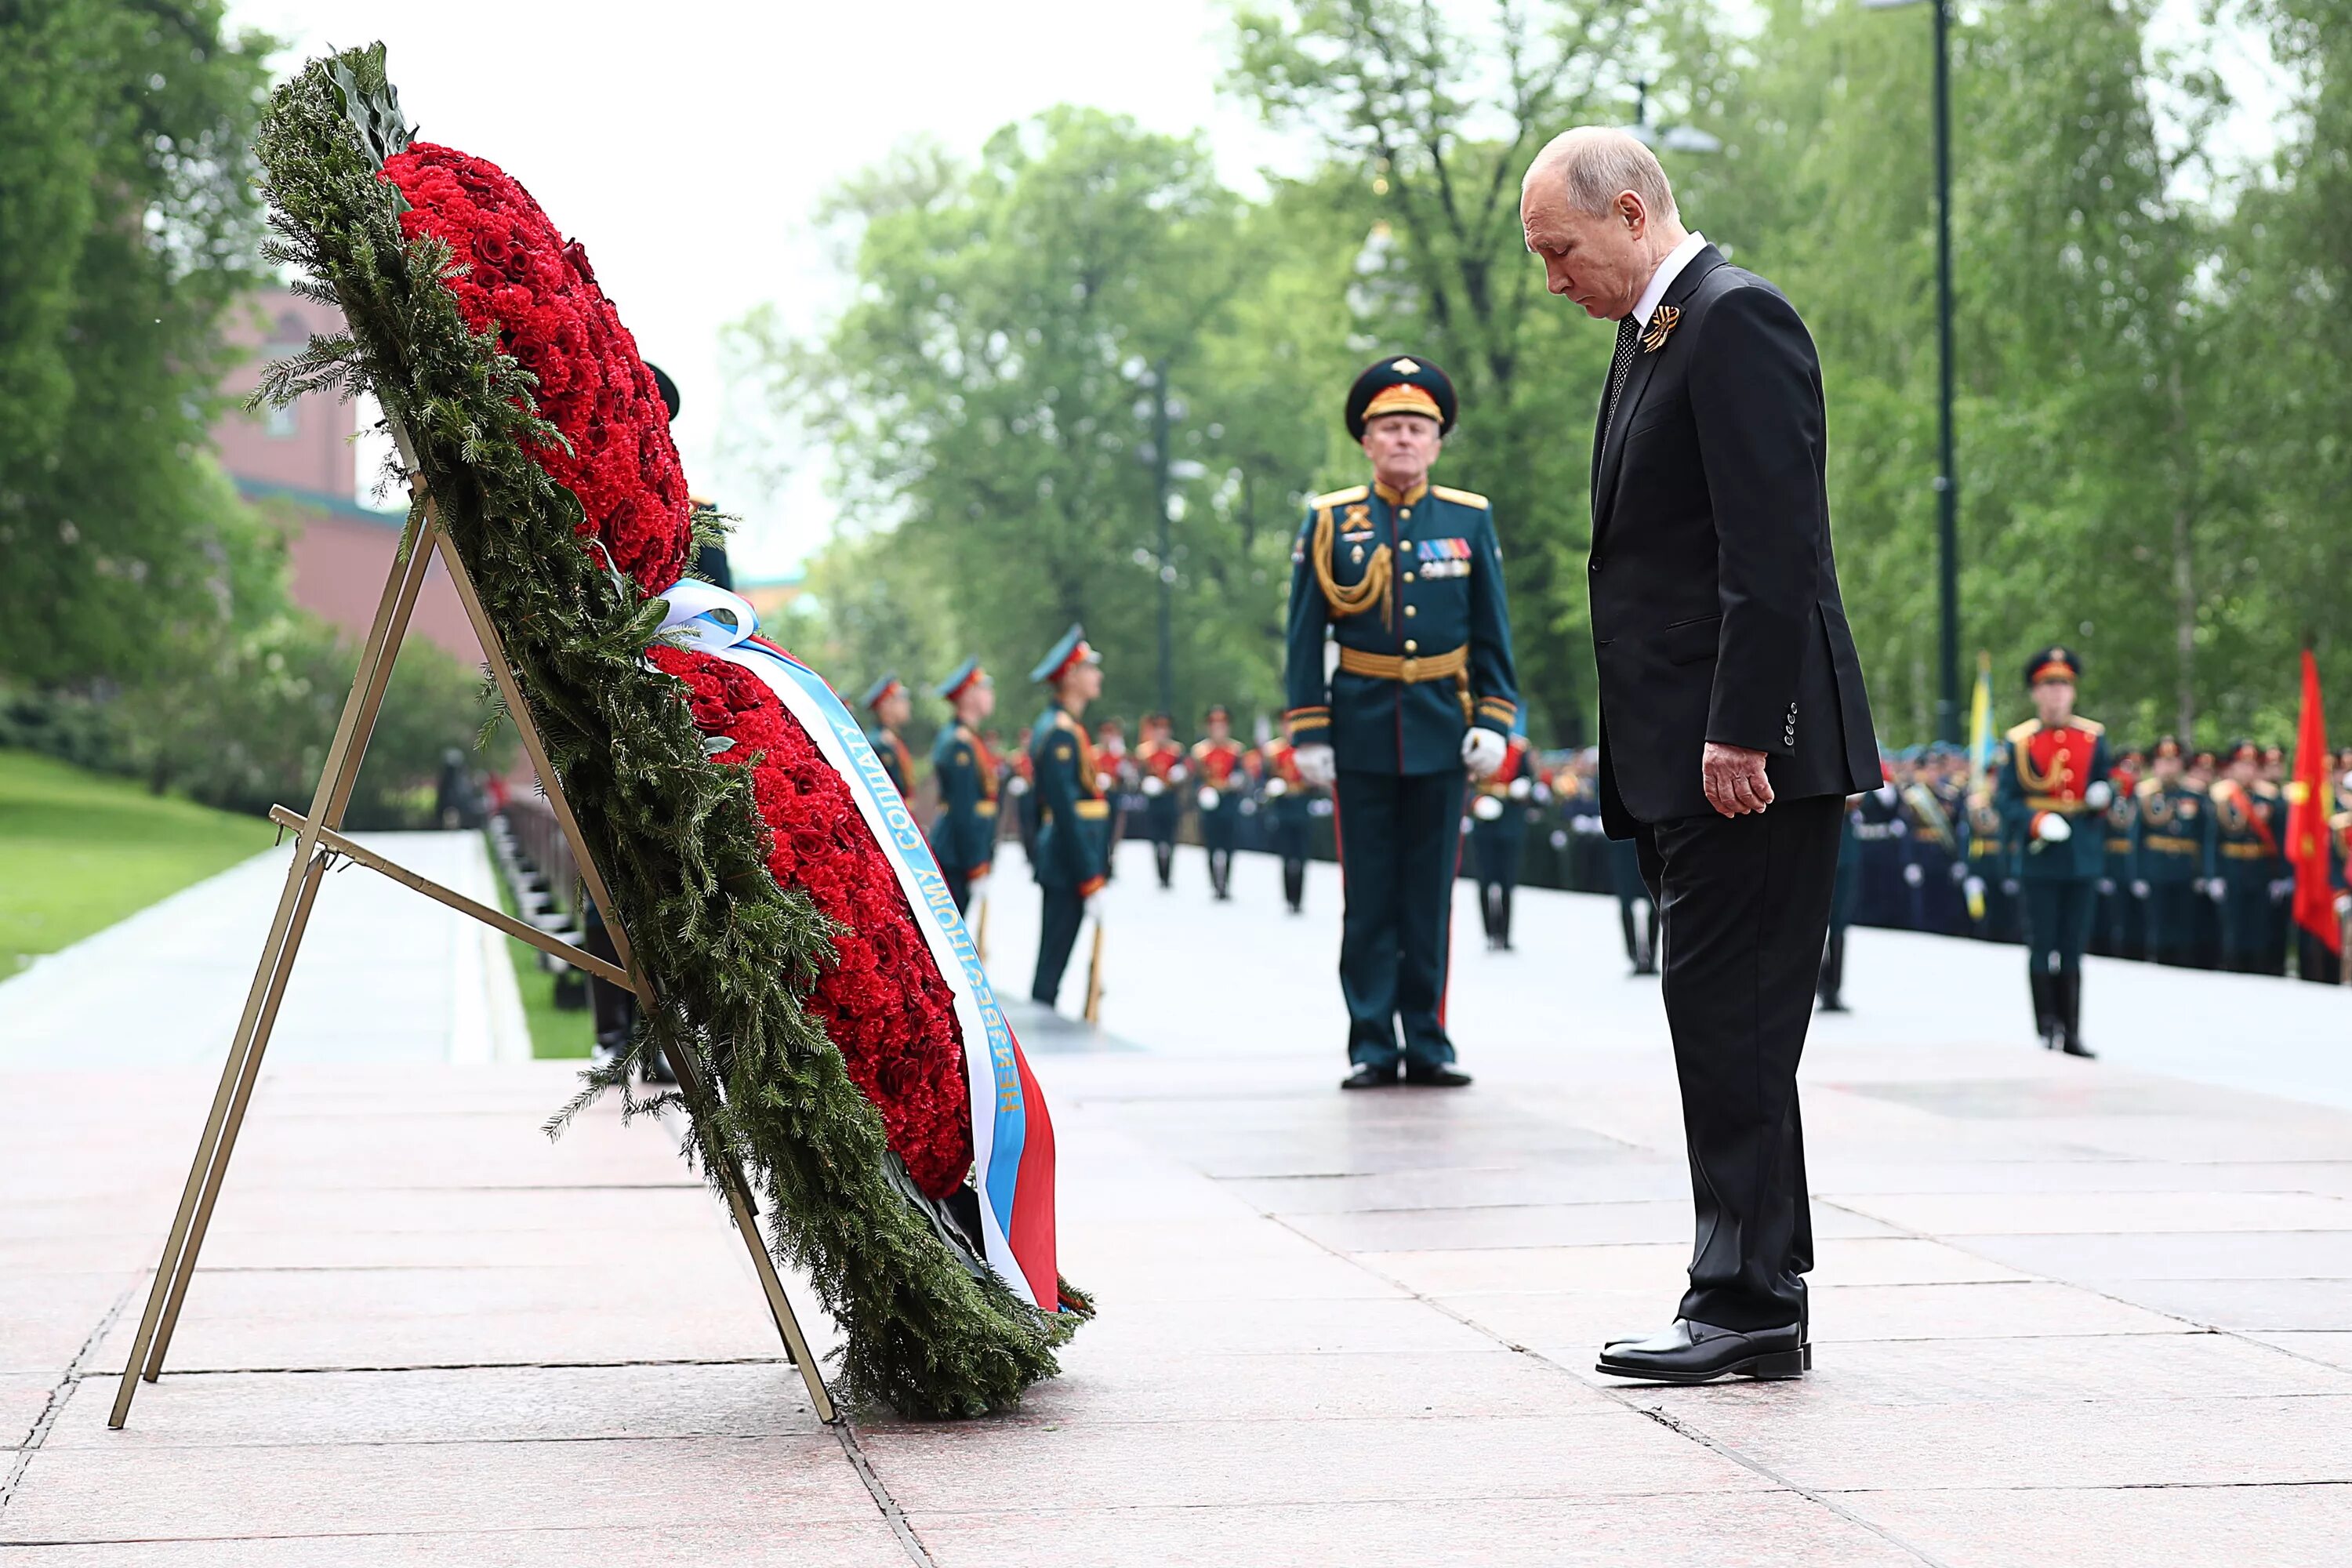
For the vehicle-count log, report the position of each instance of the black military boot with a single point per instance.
(1833, 980)
(1163, 857)
(2045, 1011)
(1294, 885)
(1503, 917)
(2070, 1013)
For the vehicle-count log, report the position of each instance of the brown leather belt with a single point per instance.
(1414, 668)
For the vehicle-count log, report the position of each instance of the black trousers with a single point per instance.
(1744, 906)
(1400, 847)
(958, 887)
(1057, 932)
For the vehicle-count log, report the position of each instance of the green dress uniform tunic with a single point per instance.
(1072, 860)
(963, 835)
(1410, 586)
(2248, 830)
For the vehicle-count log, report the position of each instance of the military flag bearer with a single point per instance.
(1162, 768)
(1407, 579)
(887, 700)
(2054, 794)
(963, 837)
(1073, 858)
(1219, 763)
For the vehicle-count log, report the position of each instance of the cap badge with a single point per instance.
(1405, 367)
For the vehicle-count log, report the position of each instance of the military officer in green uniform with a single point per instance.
(2248, 826)
(1073, 858)
(887, 700)
(963, 834)
(2172, 855)
(1407, 579)
(2054, 794)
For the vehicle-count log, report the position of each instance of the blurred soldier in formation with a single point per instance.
(1161, 772)
(1073, 856)
(2172, 855)
(1289, 805)
(1407, 579)
(1021, 784)
(2270, 784)
(1220, 764)
(2204, 769)
(2117, 933)
(1933, 868)
(1115, 776)
(2249, 826)
(887, 700)
(1990, 885)
(963, 835)
(2054, 792)
(1498, 834)
(1842, 895)
(1882, 896)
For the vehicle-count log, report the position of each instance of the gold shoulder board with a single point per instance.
(1461, 498)
(2090, 726)
(1340, 498)
(2026, 730)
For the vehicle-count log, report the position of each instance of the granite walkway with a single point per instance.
(2067, 1313)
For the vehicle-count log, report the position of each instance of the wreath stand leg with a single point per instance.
(318, 848)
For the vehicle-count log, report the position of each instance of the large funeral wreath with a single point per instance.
(783, 952)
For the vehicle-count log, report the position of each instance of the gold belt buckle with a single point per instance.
(1407, 667)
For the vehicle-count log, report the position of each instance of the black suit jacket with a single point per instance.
(1715, 614)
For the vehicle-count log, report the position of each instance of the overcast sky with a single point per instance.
(687, 143)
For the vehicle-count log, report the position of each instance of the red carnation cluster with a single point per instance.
(884, 1004)
(539, 296)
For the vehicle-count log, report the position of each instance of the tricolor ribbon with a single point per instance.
(1011, 1135)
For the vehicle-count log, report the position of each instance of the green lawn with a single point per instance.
(553, 1031)
(80, 850)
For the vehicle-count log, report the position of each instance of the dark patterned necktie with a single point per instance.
(1629, 334)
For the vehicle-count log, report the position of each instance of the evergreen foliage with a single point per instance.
(729, 953)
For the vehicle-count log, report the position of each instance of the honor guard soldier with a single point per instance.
(887, 700)
(1407, 579)
(2119, 933)
(963, 835)
(1218, 764)
(1289, 807)
(2054, 792)
(2172, 855)
(1499, 835)
(1073, 858)
(2248, 826)
(1162, 770)
(1020, 785)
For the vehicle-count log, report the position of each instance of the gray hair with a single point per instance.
(1596, 163)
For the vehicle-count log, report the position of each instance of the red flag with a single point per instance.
(2310, 803)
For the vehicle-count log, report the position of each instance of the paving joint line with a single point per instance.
(892, 1514)
(1681, 1429)
(56, 1401)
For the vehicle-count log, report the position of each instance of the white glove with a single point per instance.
(1277, 788)
(1975, 886)
(2100, 795)
(2054, 828)
(1486, 808)
(979, 891)
(1886, 794)
(1092, 910)
(1518, 789)
(2107, 887)
(2139, 890)
(1179, 773)
(1016, 785)
(2217, 890)
(1913, 876)
(1317, 766)
(1959, 871)
(1482, 751)
(1208, 798)
(2011, 886)
(1152, 787)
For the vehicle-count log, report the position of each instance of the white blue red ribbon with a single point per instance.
(1011, 1135)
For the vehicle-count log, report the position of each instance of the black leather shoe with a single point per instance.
(1701, 1353)
(1437, 1076)
(1367, 1076)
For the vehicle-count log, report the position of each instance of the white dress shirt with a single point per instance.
(1668, 271)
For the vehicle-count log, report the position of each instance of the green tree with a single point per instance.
(127, 227)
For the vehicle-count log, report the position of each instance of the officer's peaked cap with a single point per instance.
(1402, 384)
(1072, 649)
(2056, 662)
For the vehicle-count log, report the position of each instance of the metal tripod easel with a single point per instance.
(318, 845)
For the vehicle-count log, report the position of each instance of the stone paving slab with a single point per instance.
(2065, 1312)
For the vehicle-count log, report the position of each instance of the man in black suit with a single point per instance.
(1733, 719)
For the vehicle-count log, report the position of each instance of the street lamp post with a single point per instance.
(1948, 484)
(1167, 561)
